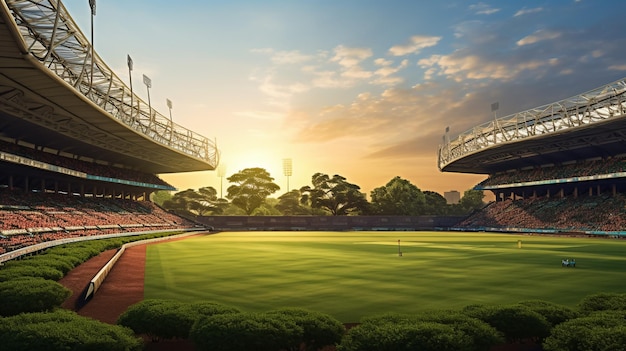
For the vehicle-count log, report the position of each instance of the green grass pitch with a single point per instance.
(354, 274)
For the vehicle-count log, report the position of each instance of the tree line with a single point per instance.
(251, 189)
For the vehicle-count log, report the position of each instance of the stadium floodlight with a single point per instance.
(287, 170)
(92, 5)
(148, 82)
(129, 61)
(494, 108)
(169, 105)
(221, 171)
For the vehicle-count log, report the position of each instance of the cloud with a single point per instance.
(418, 42)
(483, 9)
(279, 94)
(618, 67)
(356, 72)
(380, 120)
(384, 74)
(460, 66)
(350, 57)
(538, 36)
(525, 11)
(329, 79)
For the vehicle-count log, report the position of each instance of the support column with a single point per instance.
(614, 189)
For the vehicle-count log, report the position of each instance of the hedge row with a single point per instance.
(64, 330)
(221, 328)
(473, 328)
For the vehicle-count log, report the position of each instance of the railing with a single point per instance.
(52, 38)
(597, 105)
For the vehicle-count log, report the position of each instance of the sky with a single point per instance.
(360, 88)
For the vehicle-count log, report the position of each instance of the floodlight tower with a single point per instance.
(221, 171)
(92, 5)
(129, 62)
(169, 105)
(148, 82)
(287, 170)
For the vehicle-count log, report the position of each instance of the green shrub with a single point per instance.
(553, 313)
(31, 295)
(516, 322)
(318, 329)
(602, 302)
(168, 319)
(482, 335)
(245, 331)
(72, 261)
(600, 331)
(43, 261)
(82, 251)
(64, 330)
(423, 336)
(17, 271)
(205, 309)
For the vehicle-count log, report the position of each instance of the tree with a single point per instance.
(398, 197)
(253, 186)
(334, 195)
(472, 200)
(289, 204)
(434, 203)
(202, 202)
(208, 202)
(160, 196)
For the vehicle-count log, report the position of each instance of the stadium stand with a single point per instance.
(32, 218)
(558, 168)
(80, 153)
(589, 214)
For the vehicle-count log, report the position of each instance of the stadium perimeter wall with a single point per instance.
(330, 223)
(42, 246)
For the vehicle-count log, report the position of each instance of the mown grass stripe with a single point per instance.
(354, 274)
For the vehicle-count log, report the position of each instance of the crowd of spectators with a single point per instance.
(579, 169)
(31, 218)
(90, 168)
(605, 213)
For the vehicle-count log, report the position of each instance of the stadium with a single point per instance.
(80, 155)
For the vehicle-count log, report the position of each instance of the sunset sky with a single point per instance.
(359, 88)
